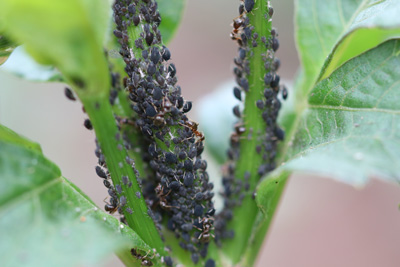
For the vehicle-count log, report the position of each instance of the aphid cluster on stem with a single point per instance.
(180, 191)
(252, 43)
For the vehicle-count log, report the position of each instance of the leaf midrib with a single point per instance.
(344, 108)
(28, 194)
(302, 101)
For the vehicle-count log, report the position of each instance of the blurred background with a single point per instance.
(319, 222)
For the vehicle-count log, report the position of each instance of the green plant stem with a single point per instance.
(265, 216)
(122, 108)
(102, 118)
(249, 160)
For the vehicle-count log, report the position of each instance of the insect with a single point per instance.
(193, 126)
(111, 207)
(206, 231)
(145, 260)
(162, 197)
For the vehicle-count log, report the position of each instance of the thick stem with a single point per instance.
(102, 118)
(249, 160)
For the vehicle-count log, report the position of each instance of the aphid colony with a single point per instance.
(179, 193)
(249, 38)
(177, 190)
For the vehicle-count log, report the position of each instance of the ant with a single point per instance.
(145, 260)
(124, 121)
(193, 126)
(111, 207)
(162, 196)
(206, 230)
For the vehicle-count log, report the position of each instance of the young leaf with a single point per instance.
(348, 131)
(350, 128)
(341, 30)
(6, 48)
(66, 34)
(171, 12)
(44, 219)
(22, 65)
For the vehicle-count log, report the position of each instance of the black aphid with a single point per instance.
(107, 183)
(69, 94)
(268, 78)
(195, 258)
(284, 92)
(168, 261)
(122, 201)
(209, 263)
(236, 111)
(280, 134)
(275, 81)
(166, 54)
(275, 44)
(260, 104)
(173, 191)
(248, 5)
(100, 172)
(187, 107)
(88, 124)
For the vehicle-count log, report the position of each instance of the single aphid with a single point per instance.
(69, 94)
(248, 5)
(275, 44)
(284, 92)
(236, 111)
(187, 107)
(237, 93)
(88, 124)
(122, 201)
(100, 172)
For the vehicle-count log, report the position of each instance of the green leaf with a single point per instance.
(45, 220)
(336, 31)
(21, 64)
(66, 34)
(347, 130)
(171, 14)
(350, 129)
(6, 47)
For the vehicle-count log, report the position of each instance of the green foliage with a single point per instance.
(171, 13)
(78, 31)
(66, 34)
(342, 121)
(350, 128)
(341, 30)
(6, 48)
(23, 65)
(44, 219)
(345, 125)
(361, 82)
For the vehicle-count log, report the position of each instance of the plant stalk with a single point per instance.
(252, 117)
(102, 118)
